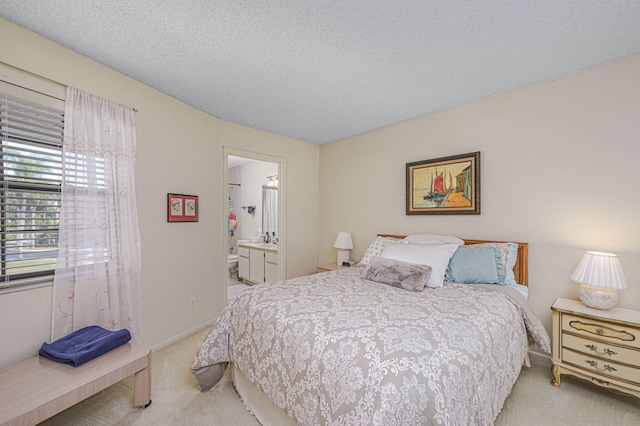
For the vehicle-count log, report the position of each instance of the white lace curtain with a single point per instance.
(98, 269)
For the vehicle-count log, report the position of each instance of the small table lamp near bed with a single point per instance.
(600, 276)
(343, 244)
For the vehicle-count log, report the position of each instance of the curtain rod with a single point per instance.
(31, 86)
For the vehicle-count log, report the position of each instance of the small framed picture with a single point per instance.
(182, 208)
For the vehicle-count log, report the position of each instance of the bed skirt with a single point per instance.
(256, 401)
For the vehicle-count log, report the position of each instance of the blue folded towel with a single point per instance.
(84, 345)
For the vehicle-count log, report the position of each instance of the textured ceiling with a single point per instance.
(322, 70)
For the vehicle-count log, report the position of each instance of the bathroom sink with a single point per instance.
(265, 246)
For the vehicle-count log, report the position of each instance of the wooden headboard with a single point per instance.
(521, 268)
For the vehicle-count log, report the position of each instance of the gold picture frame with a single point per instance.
(447, 185)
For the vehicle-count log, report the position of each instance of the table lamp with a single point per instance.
(343, 244)
(600, 276)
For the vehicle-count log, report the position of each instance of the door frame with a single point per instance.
(282, 204)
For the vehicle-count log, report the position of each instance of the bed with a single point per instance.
(360, 346)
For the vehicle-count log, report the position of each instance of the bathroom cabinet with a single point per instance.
(258, 263)
(270, 266)
(243, 263)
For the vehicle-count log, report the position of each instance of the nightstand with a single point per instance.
(326, 267)
(600, 346)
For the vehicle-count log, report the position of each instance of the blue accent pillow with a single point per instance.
(508, 255)
(471, 264)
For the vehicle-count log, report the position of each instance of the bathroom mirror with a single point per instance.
(270, 210)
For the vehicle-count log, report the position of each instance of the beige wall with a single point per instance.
(179, 150)
(559, 170)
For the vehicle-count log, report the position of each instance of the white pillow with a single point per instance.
(376, 246)
(432, 239)
(436, 256)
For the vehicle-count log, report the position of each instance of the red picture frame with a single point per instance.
(182, 208)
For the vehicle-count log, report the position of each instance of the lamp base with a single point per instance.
(598, 298)
(343, 256)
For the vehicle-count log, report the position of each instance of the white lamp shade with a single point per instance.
(601, 270)
(343, 241)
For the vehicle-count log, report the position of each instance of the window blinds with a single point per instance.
(31, 131)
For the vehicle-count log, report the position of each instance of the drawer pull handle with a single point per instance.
(606, 367)
(602, 330)
(605, 351)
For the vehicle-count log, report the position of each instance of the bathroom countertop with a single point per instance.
(261, 246)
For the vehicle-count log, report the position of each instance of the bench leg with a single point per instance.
(142, 386)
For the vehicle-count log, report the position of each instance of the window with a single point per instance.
(31, 130)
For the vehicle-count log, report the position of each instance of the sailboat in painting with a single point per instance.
(437, 191)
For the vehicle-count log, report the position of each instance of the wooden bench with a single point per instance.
(38, 388)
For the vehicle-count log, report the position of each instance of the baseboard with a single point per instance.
(539, 355)
(539, 359)
(186, 333)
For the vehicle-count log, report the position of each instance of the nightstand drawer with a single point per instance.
(609, 332)
(603, 350)
(601, 346)
(601, 367)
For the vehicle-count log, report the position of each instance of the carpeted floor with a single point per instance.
(177, 400)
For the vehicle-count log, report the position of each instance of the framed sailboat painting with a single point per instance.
(447, 185)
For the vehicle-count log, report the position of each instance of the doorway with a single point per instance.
(251, 202)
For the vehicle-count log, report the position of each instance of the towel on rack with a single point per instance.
(84, 345)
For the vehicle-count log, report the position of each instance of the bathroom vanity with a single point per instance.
(258, 262)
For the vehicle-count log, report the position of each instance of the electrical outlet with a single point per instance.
(192, 303)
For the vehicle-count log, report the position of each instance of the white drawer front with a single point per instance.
(271, 257)
(243, 251)
(609, 332)
(602, 350)
(601, 367)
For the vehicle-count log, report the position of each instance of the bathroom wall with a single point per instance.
(235, 201)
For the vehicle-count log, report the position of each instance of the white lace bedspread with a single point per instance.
(334, 349)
